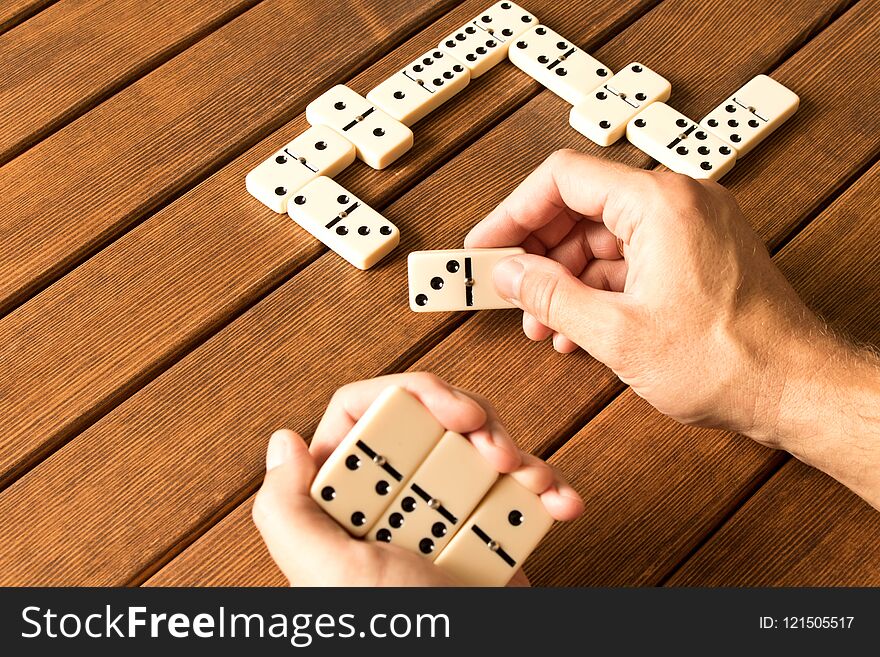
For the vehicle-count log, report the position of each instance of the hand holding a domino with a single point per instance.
(657, 275)
(313, 547)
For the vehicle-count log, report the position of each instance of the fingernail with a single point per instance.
(507, 276)
(278, 451)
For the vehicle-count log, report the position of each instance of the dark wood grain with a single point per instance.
(84, 185)
(13, 12)
(658, 486)
(73, 54)
(202, 424)
(534, 384)
(803, 528)
(148, 298)
(637, 468)
(514, 394)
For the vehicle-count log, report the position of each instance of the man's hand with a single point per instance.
(661, 278)
(313, 550)
(691, 318)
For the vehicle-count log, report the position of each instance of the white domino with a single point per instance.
(343, 222)
(319, 151)
(375, 460)
(483, 42)
(602, 116)
(440, 496)
(557, 63)
(378, 138)
(458, 279)
(498, 537)
(675, 141)
(749, 116)
(421, 87)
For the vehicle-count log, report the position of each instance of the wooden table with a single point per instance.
(157, 323)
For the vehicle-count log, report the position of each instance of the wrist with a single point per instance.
(798, 384)
(826, 410)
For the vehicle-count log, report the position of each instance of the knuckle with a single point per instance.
(620, 326)
(428, 379)
(340, 394)
(266, 504)
(259, 509)
(560, 158)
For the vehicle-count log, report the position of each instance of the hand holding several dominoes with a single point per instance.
(451, 440)
(694, 314)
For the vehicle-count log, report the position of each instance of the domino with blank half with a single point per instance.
(675, 141)
(343, 222)
(428, 511)
(558, 64)
(319, 151)
(603, 115)
(376, 460)
(749, 116)
(484, 41)
(498, 536)
(457, 279)
(421, 87)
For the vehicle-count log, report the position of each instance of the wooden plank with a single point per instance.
(681, 482)
(201, 266)
(13, 12)
(801, 529)
(513, 392)
(529, 368)
(343, 344)
(231, 554)
(74, 54)
(820, 533)
(202, 424)
(84, 185)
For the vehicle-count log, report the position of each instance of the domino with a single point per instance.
(674, 140)
(498, 537)
(421, 87)
(375, 460)
(440, 496)
(483, 42)
(343, 222)
(603, 115)
(316, 152)
(378, 138)
(558, 64)
(459, 279)
(749, 116)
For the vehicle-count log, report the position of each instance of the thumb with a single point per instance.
(300, 537)
(549, 292)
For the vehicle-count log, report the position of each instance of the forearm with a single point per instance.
(827, 412)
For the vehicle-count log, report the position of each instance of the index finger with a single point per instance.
(453, 409)
(567, 180)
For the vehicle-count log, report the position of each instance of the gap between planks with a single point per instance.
(775, 250)
(810, 216)
(169, 359)
(781, 458)
(88, 103)
(19, 16)
(153, 205)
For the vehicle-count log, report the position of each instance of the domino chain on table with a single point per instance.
(376, 130)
